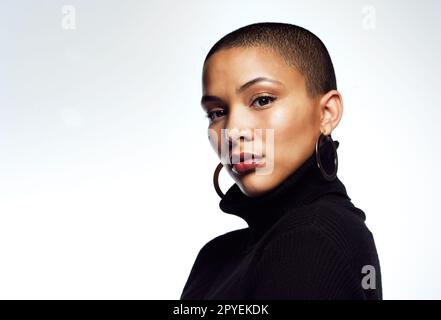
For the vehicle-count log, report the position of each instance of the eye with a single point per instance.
(264, 99)
(212, 115)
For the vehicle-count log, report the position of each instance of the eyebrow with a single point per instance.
(208, 98)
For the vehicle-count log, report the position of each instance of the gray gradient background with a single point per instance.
(105, 167)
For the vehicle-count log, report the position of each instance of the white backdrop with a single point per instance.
(106, 169)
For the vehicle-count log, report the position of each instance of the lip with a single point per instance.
(247, 162)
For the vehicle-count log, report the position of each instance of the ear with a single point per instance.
(331, 107)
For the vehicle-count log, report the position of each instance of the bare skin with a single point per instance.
(285, 106)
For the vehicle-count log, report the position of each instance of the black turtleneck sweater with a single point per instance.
(305, 240)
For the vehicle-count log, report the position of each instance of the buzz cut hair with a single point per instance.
(299, 47)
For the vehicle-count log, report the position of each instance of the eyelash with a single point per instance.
(271, 98)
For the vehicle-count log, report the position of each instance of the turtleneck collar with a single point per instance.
(301, 187)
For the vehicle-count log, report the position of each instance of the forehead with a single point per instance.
(234, 66)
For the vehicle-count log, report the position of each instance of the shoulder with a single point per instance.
(322, 245)
(304, 263)
(217, 250)
(330, 224)
(225, 243)
(332, 218)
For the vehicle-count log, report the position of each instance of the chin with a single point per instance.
(254, 185)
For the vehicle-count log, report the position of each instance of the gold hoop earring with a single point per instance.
(328, 139)
(216, 180)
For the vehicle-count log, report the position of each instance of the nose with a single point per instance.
(235, 135)
(237, 126)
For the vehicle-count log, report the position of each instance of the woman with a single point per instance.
(270, 93)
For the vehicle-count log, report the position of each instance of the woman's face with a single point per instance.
(289, 120)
